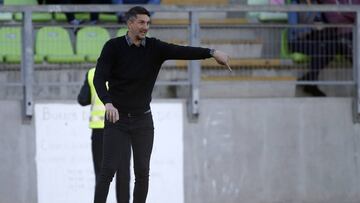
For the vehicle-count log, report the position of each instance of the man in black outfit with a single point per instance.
(130, 64)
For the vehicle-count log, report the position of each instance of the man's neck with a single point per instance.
(134, 39)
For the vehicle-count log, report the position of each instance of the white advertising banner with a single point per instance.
(64, 162)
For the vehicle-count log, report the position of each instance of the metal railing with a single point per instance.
(195, 39)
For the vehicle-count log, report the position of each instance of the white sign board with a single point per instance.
(64, 163)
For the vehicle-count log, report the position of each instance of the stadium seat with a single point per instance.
(107, 17)
(285, 53)
(17, 59)
(267, 16)
(79, 16)
(103, 17)
(10, 45)
(40, 17)
(6, 16)
(20, 2)
(55, 45)
(89, 42)
(121, 32)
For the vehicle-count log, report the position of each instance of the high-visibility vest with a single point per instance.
(97, 107)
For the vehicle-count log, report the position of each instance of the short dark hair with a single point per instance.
(132, 12)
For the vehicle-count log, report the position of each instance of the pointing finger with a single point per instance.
(227, 65)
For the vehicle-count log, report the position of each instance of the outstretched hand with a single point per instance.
(222, 58)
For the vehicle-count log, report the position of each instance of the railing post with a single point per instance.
(194, 66)
(27, 63)
(356, 66)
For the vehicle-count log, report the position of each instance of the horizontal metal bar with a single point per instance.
(178, 83)
(186, 83)
(47, 66)
(115, 25)
(277, 25)
(19, 84)
(58, 83)
(326, 82)
(181, 82)
(163, 8)
(11, 84)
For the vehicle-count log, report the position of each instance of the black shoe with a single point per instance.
(76, 22)
(93, 22)
(306, 77)
(313, 90)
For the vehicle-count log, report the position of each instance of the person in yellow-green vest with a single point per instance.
(88, 96)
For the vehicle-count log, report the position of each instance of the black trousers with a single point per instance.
(97, 150)
(97, 155)
(129, 132)
(322, 46)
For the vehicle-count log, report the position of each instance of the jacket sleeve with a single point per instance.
(103, 71)
(170, 51)
(84, 97)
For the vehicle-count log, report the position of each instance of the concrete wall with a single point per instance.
(295, 150)
(17, 155)
(273, 151)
